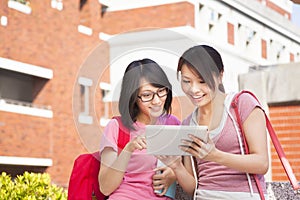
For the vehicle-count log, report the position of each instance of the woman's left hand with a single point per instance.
(197, 147)
(162, 179)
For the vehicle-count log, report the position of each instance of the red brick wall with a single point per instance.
(292, 57)
(170, 15)
(230, 33)
(49, 38)
(21, 138)
(278, 9)
(286, 122)
(264, 49)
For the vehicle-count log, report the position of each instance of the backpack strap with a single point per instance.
(235, 106)
(124, 134)
(285, 163)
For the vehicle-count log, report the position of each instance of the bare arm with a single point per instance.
(113, 167)
(256, 162)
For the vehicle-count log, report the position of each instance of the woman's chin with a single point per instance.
(156, 114)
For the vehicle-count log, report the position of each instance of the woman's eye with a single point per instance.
(185, 81)
(146, 95)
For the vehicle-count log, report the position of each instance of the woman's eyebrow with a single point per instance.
(147, 90)
(185, 76)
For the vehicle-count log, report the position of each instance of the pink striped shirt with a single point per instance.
(212, 176)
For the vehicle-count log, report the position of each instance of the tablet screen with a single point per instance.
(165, 139)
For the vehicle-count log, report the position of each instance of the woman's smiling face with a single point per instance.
(195, 87)
(155, 107)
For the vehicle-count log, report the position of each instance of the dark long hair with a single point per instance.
(205, 61)
(141, 69)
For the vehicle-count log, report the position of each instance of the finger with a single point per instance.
(187, 142)
(138, 146)
(162, 157)
(157, 183)
(160, 169)
(142, 142)
(189, 150)
(196, 139)
(192, 144)
(165, 189)
(157, 176)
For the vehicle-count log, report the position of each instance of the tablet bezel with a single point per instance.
(165, 139)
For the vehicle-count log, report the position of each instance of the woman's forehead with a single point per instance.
(145, 85)
(189, 72)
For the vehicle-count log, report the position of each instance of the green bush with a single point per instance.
(30, 186)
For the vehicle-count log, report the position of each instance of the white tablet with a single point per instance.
(165, 139)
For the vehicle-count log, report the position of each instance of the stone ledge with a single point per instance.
(281, 191)
(276, 191)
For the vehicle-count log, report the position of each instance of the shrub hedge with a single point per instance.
(30, 186)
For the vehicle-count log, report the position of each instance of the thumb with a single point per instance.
(160, 169)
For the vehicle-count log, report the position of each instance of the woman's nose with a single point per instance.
(195, 88)
(156, 99)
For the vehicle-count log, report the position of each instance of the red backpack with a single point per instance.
(83, 184)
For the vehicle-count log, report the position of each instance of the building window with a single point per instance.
(213, 18)
(105, 91)
(85, 13)
(16, 86)
(25, 2)
(85, 18)
(20, 88)
(250, 34)
(84, 115)
(245, 34)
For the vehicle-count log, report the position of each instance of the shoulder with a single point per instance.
(111, 127)
(110, 135)
(187, 120)
(113, 122)
(246, 100)
(246, 104)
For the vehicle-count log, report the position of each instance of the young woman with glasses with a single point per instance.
(145, 98)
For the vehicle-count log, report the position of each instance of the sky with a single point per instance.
(296, 14)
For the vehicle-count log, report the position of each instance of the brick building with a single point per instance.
(61, 62)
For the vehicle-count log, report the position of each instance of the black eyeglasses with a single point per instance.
(149, 95)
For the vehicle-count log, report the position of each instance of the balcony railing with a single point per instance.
(22, 103)
(26, 108)
(20, 5)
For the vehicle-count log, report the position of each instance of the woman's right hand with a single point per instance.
(196, 147)
(138, 143)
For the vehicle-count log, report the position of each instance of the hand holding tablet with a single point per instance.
(166, 139)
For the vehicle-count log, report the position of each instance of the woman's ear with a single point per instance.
(220, 83)
(220, 77)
